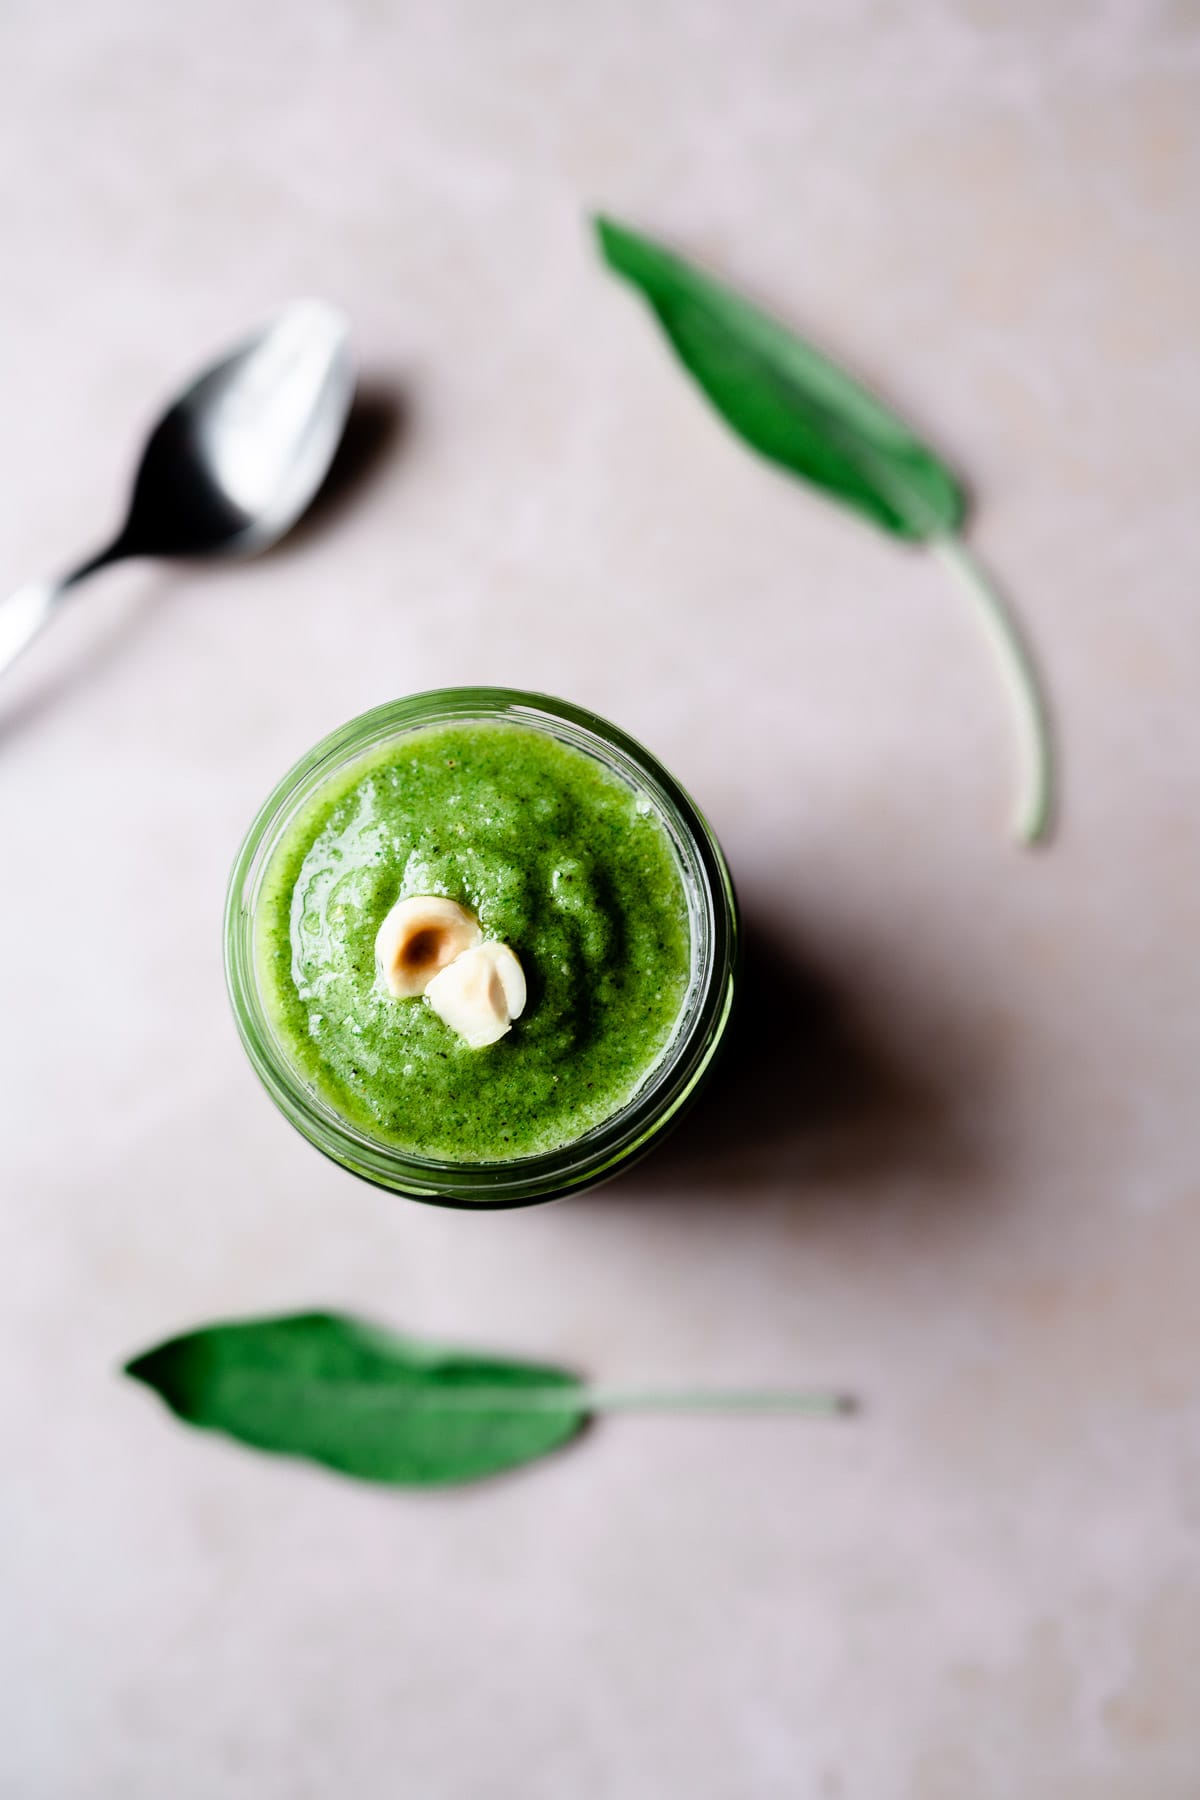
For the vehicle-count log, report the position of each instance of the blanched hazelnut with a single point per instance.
(480, 993)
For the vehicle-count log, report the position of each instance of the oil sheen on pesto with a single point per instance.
(556, 856)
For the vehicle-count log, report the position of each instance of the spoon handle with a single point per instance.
(22, 616)
(24, 613)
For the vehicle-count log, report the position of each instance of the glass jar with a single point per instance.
(605, 1149)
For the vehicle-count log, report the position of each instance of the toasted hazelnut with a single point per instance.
(419, 937)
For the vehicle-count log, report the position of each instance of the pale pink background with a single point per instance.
(990, 1585)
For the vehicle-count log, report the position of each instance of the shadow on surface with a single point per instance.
(818, 1085)
(380, 421)
(67, 664)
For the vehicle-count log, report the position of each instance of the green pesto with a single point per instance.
(558, 857)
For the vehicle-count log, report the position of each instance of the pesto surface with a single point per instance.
(557, 856)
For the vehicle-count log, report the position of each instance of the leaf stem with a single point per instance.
(762, 1400)
(1035, 805)
(584, 1398)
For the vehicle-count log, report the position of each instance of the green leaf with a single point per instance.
(384, 1408)
(794, 406)
(363, 1401)
(786, 399)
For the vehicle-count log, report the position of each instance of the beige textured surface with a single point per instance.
(973, 1192)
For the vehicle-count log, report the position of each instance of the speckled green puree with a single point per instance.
(558, 857)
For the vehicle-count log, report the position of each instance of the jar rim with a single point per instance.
(662, 1092)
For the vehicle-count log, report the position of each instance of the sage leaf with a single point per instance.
(385, 1408)
(363, 1401)
(797, 408)
(786, 399)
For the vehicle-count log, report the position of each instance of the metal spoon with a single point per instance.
(232, 464)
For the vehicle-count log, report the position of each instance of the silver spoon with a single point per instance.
(231, 465)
